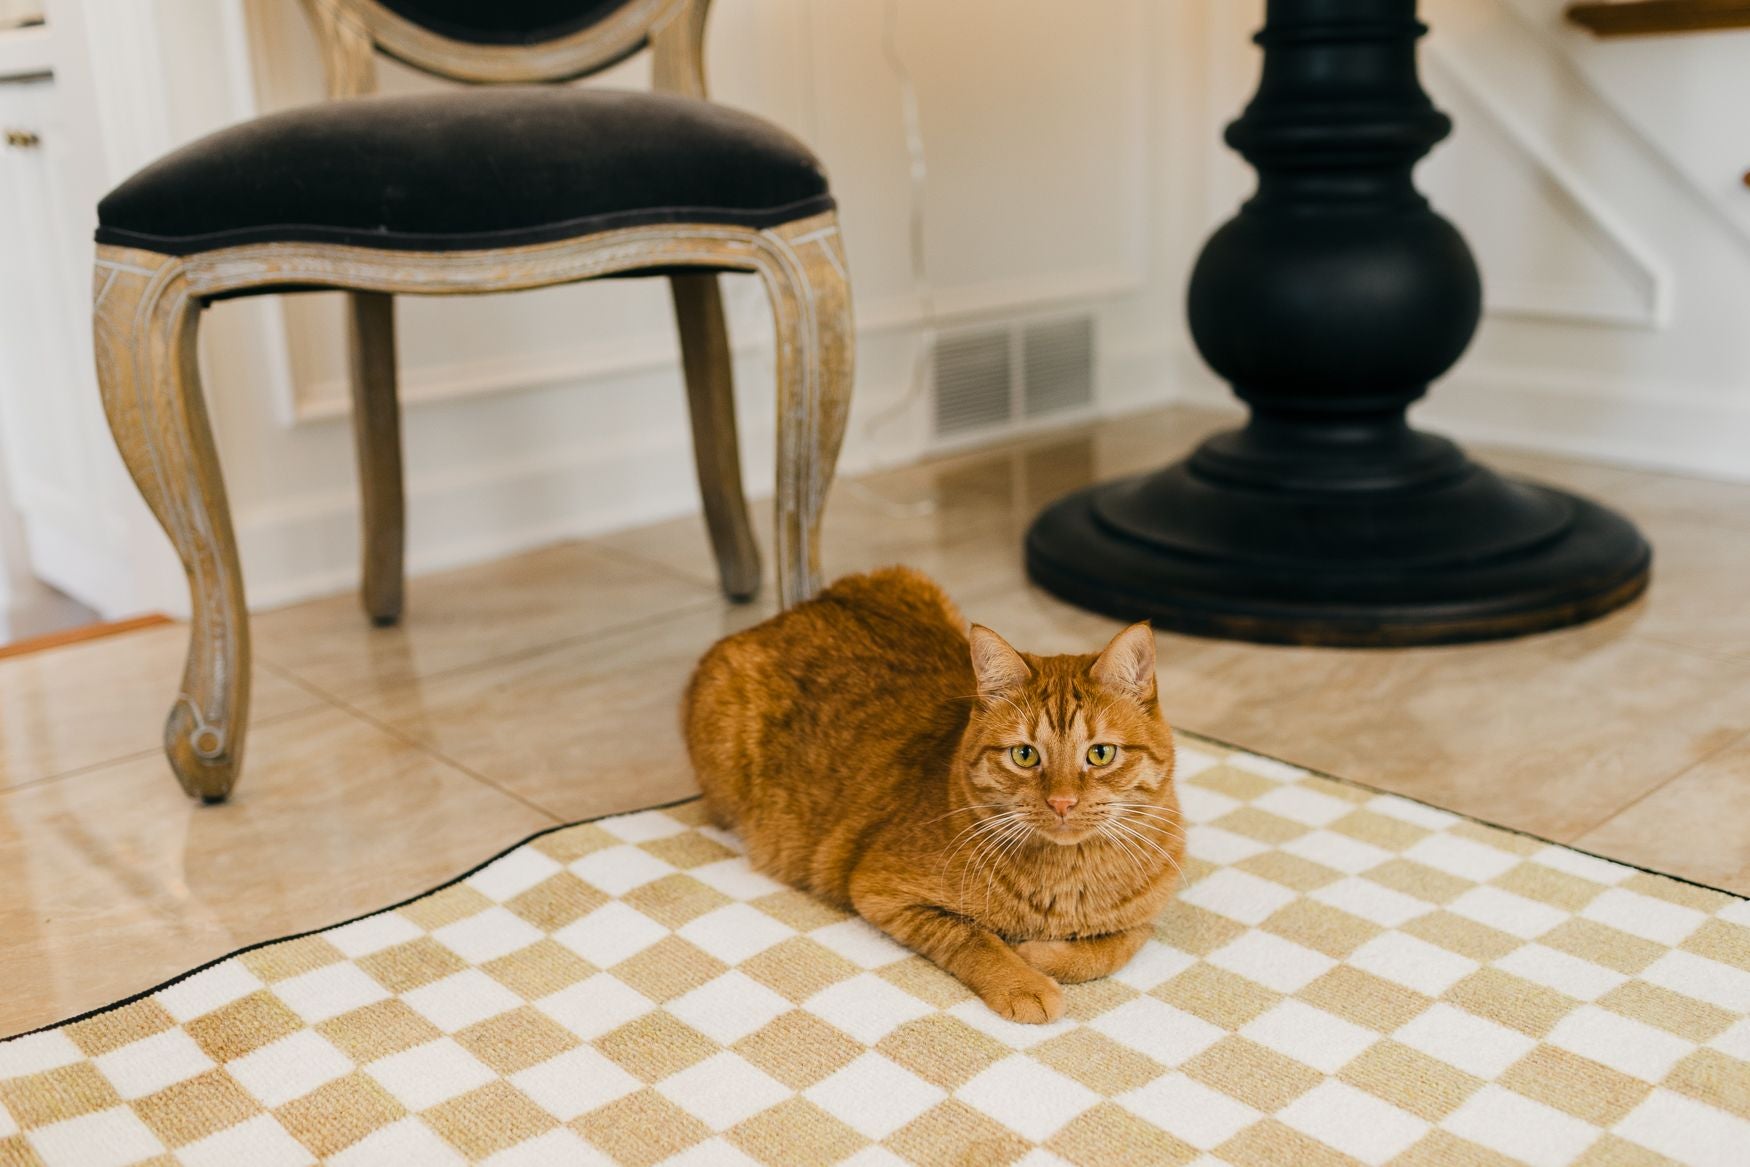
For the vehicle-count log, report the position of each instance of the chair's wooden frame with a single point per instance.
(147, 310)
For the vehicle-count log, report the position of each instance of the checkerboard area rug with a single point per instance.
(1347, 977)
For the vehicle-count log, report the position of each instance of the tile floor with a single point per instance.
(542, 689)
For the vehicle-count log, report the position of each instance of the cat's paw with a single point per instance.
(1062, 960)
(1086, 958)
(1032, 1000)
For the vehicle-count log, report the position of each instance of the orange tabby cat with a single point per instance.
(1009, 816)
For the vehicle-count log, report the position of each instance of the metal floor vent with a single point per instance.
(991, 377)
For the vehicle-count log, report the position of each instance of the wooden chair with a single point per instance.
(382, 196)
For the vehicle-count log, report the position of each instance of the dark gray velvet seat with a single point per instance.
(467, 169)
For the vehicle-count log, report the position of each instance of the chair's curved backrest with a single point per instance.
(500, 41)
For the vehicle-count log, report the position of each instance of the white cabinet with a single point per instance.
(69, 512)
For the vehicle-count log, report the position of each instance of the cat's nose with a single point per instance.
(1062, 804)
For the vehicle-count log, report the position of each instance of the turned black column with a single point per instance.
(1330, 301)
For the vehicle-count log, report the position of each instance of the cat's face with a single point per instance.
(1069, 747)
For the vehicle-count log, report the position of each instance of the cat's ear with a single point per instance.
(1128, 663)
(998, 667)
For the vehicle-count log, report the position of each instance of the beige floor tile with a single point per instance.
(1697, 825)
(1724, 504)
(969, 540)
(582, 730)
(960, 517)
(1647, 496)
(114, 881)
(1700, 533)
(1697, 597)
(68, 708)
(682, 545)
(1607, 483)
(461, 618)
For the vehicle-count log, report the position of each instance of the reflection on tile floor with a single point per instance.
(541, 688)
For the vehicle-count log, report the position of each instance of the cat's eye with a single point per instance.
(1025, 757)
(1102, 754)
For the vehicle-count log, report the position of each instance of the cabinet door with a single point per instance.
(48, 394)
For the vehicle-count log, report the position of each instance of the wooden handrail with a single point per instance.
(1649, 17)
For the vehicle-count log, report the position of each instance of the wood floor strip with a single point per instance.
(81, 634)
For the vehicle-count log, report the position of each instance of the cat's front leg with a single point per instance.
(975, 956)
(1085, 958)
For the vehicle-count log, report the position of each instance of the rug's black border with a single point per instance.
(433, 890)
(1470, 818)
(545, 831)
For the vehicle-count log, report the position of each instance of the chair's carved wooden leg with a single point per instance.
(816, 343)
(145, 324)
(698, 310)
(376, 429)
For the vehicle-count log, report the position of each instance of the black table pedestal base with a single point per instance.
(1441, 552)
(1330, 302)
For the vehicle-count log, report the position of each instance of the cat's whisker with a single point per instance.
(1136, 860)
(1158, 817)
(1153, 808)
(986, 851)
(1165, 830)
(1140, 827)
(1105, 832)
(1124, 824)
(985, 822)
(993, 829)
(969, 866)
(1143, 868)
(999, 845)
(1130, 831)
(1004, 850)
(980, 830)
(961, 810)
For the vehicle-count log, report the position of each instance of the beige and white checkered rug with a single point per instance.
(1349, 977)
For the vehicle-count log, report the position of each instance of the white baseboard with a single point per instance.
(1155, 376)
(1679, 429)
(1682, 429)
(311, 548)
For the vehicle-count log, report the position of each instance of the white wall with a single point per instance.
(1074, 164)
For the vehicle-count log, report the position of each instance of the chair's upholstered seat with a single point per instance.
(465, 170)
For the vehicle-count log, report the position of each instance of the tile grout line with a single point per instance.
(525, 654)
(410, 741)
(1331, 776)
(80, 771)
(634, 559)
(1671, 644)
(331, 700)
(1646, 794)
(156, 750)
